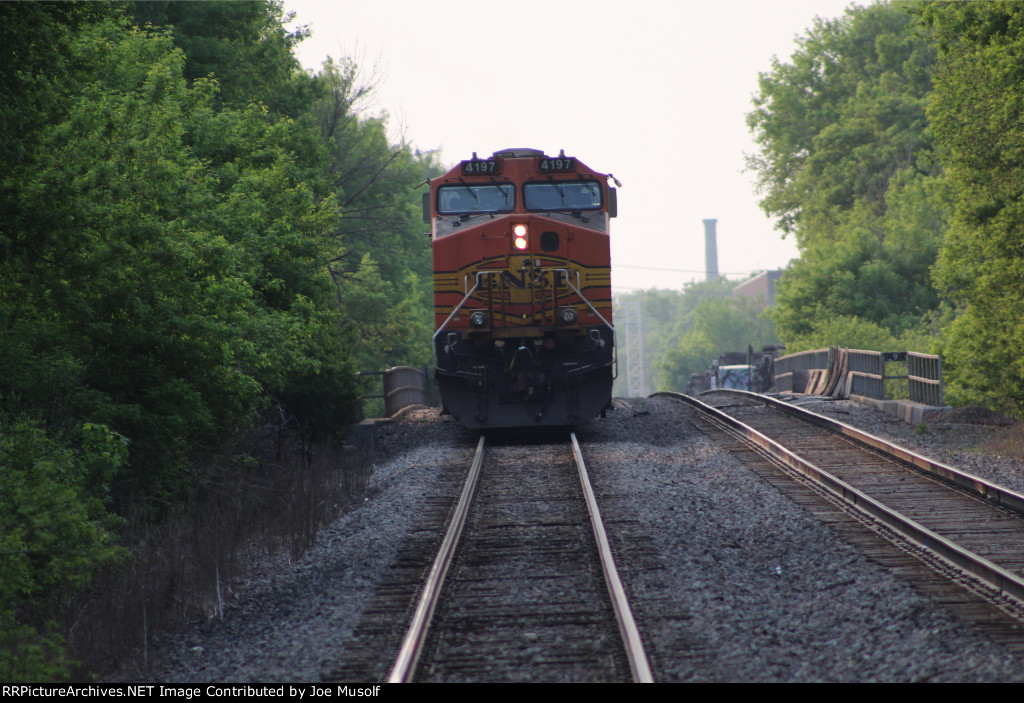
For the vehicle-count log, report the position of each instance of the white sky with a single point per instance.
(653, 91)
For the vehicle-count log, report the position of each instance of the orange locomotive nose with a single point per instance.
(523, 329)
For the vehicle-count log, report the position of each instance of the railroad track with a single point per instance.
(524, 587)
(963, 522)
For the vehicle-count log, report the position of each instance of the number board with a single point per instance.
(478, 167)
(562, 163)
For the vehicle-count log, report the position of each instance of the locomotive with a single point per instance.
(522, 290)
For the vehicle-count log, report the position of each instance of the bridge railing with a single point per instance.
(924, 374)
(866, 374)
(839, 373)
(791, 371)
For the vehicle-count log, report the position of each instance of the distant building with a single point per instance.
(760, 288)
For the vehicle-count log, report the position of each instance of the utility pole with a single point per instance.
(634, 329)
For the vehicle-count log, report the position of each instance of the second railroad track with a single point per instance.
(969, 524)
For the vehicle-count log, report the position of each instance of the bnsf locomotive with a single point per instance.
(522, 290)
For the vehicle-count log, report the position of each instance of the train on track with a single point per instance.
(522, 290)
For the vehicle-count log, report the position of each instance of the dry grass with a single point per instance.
(1006, 440)
(183, 572)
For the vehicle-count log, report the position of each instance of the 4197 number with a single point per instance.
(477, 167)
(564, 163)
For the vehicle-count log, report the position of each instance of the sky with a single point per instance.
(655, 92)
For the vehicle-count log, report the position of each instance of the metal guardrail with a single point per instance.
(866, 374)
(924, 374)
(867, 362)
(792, 371)
(841, 372)
(867, 385)
(817, 359)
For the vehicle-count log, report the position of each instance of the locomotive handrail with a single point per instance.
(461, 303)
(476, 285)
(583, 297)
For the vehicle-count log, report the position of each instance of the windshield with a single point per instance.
(465, 199)
(736, 377)
(562, 195)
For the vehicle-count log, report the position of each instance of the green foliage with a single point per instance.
(54, 534)
(666, 315)
(849, 332)
(846, 115)
(321, 392)
(172, 269)
(387, 317)
(846, 165)
(28, 654)
(242, 44)
(384, 273)
(977, 111)
(165, 245)
(719, 324)
(683, 331)
(192, 230)
(52, 505)
(876, 268)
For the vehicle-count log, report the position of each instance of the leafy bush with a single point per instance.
(54, 535)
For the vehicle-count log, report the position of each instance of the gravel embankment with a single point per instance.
(755, 588)
(289, 622)
(734, 583)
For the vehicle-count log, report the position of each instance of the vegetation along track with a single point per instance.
(532, 593)
(959, 523)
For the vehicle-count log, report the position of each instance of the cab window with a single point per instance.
(467, 199)
(552, 196)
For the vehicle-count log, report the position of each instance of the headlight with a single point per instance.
(568, 316)
(519, 236)
(478, 318)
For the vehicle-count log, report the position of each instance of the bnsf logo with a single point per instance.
(529, 279)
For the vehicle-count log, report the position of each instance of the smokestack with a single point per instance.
(710, 250)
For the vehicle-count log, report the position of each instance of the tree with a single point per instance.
(667, 315)
(977, 111)
(384, 273)
(719, 324)
(54, 533)
(877, 268)
(173, 265)
(55, 469)
(846, 165)
(242, 44)
(164, 266)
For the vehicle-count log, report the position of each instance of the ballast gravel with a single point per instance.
(731, 581)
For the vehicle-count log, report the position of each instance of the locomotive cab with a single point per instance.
(522, 290)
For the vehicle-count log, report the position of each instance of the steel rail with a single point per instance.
(408, 656)
(634, 646)
(997, 577)
(998, 495)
